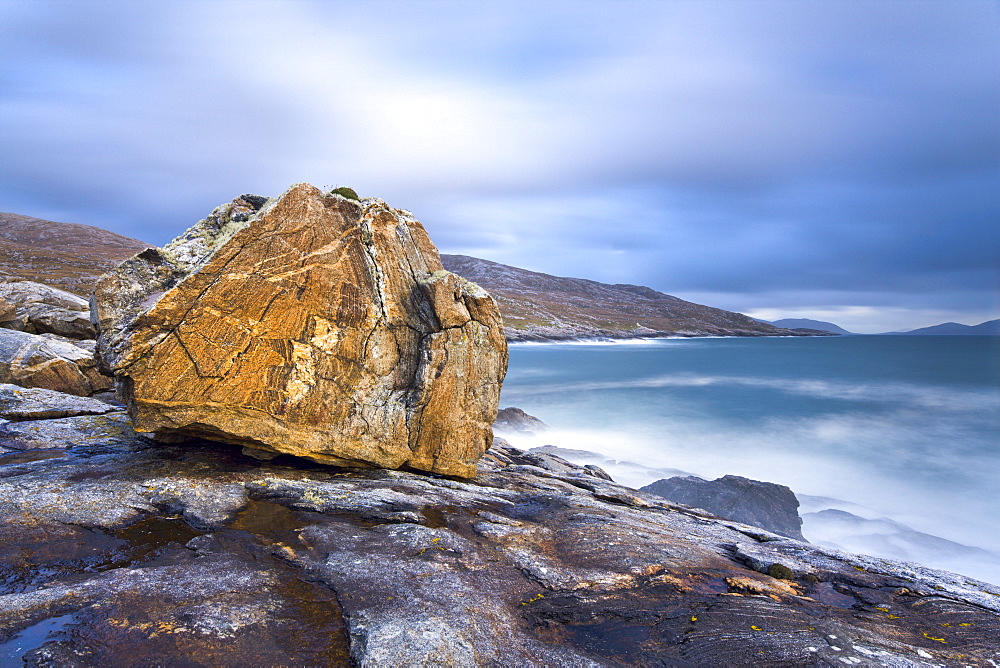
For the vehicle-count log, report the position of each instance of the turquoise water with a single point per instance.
(894, 428)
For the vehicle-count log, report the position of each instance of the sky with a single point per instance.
(836, 160)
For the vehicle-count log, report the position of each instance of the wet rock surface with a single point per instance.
(195, 554)
(311, 325)
(763, 504)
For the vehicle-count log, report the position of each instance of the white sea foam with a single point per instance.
(913, 394)
(887, 538)
(907, 429)
(855, 459)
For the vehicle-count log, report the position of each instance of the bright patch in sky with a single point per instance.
(797, 159)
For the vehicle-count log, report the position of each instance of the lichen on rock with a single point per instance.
(309, 324)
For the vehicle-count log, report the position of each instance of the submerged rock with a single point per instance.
(31, 360)
(763, 504)
(312, 325)
(126, 551)
(39, 309)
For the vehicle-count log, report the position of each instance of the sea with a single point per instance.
(891, 443)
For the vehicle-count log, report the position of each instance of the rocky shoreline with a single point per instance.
(127, 537)
(193, 552)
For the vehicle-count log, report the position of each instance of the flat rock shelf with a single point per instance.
(112, 546)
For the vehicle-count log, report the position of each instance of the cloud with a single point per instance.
(701, 148)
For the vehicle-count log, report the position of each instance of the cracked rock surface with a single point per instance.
(311, 325)
(114, 547)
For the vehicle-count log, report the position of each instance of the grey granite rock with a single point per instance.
(763, 504)
(196, 554)
(90, 345)
(21, 403)
(30, 360)
(515, 420)
(39, 308)
(70, 432)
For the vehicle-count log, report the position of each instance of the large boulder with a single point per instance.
(39, 309)
(31, 360)
(310, 324)
(761, 504)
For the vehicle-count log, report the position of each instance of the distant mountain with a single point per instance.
(806, 323)
(539, 306)
(65, 255)
(988, 328)
(534, 306)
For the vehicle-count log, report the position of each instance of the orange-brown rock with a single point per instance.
(7, 310)
(47, 362)
(310, 324)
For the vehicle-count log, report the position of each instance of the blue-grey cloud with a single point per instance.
(844, 155)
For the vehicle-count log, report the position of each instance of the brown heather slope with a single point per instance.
(65, 255)
(538, 306)
(535, 306)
